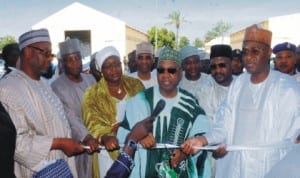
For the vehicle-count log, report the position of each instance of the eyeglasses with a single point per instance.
(214, 66)
(46, 53)
(170, 70)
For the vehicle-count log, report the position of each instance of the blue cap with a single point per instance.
(286, 46)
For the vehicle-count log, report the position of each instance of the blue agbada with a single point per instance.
(181, 118)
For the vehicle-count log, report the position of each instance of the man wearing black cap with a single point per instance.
(236, 62)
(216, 90)
(285, 59)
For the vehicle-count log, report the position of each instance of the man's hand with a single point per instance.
(92, 142)
(148, 141)
(188, 147)
(69, 146)
(177, 157)
(141, 129)
(110, 142)
(220, 152)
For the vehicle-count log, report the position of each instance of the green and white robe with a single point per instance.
(181, 118)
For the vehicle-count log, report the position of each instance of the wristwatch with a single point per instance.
(132, 144)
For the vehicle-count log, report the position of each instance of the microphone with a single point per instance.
(158, 108)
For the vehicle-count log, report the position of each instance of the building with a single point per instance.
(93, 28)
(284, 29)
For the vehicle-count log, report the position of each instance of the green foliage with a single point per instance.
(219, 30)
(164, 37)
(199, 43)
(183, 41)
(5, 40)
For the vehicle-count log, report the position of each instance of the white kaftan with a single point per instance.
(256, 114)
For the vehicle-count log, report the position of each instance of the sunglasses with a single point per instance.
(169, 70)
(220, 65)
(46, 53)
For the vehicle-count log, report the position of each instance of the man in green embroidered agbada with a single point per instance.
(182, 118)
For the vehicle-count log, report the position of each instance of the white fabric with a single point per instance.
(210, 96)
(297, 77)
(103, 54)
(273, 117)
(194, 86)
(147, 83)
(38, 116)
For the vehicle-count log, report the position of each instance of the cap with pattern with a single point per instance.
(169, 54)
(33, 36)
(257, 34)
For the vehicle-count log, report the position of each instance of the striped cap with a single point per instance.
(33, 36)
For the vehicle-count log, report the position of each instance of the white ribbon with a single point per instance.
(280, 145)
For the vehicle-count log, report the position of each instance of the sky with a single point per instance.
(17, 16)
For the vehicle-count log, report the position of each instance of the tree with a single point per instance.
(5, 40)
(183, 41)
(219, 30)
(175, 18)
(164, 37)
(199, 43)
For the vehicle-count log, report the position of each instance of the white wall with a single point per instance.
(105, 30)
(285, 29)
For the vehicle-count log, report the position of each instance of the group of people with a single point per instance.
(252, 116)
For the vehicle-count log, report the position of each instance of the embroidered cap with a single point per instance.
(33, 36)
(104, 54)
(169, 54)
(69, 46)
(257, 34)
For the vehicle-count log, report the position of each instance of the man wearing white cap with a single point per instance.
(43, 131)
(70, 87)
(193, 79)
(144, 61)
(254, 117)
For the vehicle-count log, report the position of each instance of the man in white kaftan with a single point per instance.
(261, 110)
(43, 131)
(193, 79)
(144, 60)
(212, 93)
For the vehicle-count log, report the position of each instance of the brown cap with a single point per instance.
(258, 34)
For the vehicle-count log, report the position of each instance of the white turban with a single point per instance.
(104, 54)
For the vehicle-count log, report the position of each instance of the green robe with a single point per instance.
(180, 119)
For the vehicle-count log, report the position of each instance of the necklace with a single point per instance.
(119, 91)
